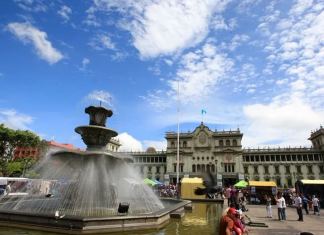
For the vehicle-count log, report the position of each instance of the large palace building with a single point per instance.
(221, 153)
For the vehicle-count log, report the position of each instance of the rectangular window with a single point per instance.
(262, 158)
(321, 169)
(288, 158)
(277, 158)
(316, 158)
(267, 158)
(294, 158)
(277, 169)
(305, 158)
(300, 158)
(229, 167)
(252, 158)
(311, 157)
(287, 169)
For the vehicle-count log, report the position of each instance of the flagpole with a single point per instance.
(178, 136)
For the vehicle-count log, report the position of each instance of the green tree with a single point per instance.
(9, 140)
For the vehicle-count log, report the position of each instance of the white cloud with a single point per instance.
(15, 120)
(296, 48)
(153, 24)
(199, 72)
(102, 42)
(300, 7)
(65, 12)
(284, 122)
(158, 145)
(219, 23)
(30, 34)
(32, 5)
(129, 143)
(84, 64)
(100, 95)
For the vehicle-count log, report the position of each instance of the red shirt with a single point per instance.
(225, 222)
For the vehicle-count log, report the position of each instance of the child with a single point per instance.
(315, 205)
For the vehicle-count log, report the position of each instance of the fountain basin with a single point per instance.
(95, 137)
(91, 225)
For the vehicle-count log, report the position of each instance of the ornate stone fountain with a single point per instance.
(85, 189)
(96, 136)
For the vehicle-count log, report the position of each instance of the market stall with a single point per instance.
(188, 186)
(311, 187)
(258, 190)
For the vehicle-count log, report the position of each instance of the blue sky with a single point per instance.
(257, 65)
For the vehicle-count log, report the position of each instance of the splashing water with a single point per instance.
(84, 184)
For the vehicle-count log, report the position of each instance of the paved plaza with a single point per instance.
(312, 223)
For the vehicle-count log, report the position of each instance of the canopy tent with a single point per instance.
(312, 181)
(262, 183)
(188, 186)
(149, 182)
(158, 182)
(241, 184)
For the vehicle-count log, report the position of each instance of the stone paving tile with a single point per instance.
(312, 223)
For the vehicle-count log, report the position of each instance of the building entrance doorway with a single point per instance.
(229, 181)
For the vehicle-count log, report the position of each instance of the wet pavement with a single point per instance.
(312, 223)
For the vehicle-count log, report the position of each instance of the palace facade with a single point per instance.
(221, 153)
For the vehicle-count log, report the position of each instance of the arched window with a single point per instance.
(213, 168)
(203, 168)
(193, 168)
(221, 143)
(234, 142)
(172, 144)
(208, 168)
(228, 143)
(198, 168)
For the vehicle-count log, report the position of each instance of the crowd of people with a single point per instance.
(300, 202)
(167, 190)
(233, 223)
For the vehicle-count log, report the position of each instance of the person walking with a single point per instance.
(305, 203)
(315, 205)
(280, 203)
(299, 205)
(284, 205)
(268, 206)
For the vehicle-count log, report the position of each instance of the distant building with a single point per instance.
(60, 145)
(26, 152)
(221, 153)
(113, 145)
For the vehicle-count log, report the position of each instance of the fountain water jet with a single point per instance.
(84, 188)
